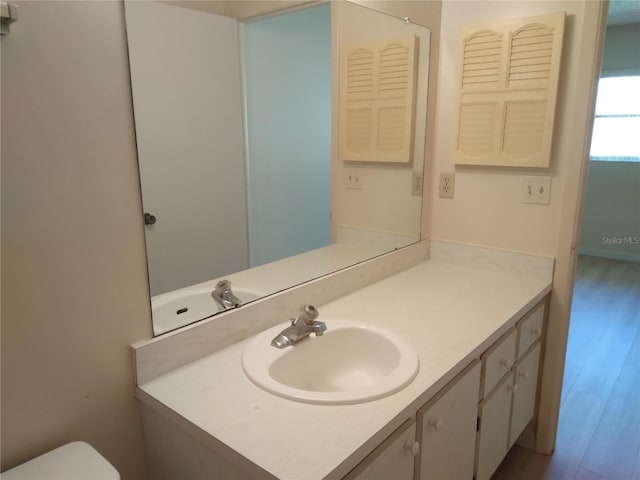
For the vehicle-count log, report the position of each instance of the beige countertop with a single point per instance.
(450, 313)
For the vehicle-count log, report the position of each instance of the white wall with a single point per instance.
(74, 287)
(611, 222)
(187, 96)
(486, 209)
(621, 55)
(287, 69)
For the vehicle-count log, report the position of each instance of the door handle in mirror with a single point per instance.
(149, 219)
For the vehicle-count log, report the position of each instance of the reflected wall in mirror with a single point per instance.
(237, 123)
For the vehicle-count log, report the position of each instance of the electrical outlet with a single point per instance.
(536, 189)
(447, 184)
(416, 183)
(354, 178)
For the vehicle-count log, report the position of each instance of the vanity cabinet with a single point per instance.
(510, 380)
(467, 428)
(447, 429)
(463, 432)
(393, 458)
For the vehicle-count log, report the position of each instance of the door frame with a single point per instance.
(593, 28)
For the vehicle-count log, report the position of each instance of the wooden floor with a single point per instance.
(599, 428)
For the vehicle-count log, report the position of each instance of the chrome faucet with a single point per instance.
(224, 297)
(301, 327)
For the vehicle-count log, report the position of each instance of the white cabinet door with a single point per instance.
(493, 436)
(392, 459)
(448, 430)
(524, 393)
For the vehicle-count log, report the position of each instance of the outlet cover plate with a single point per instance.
(447, 184)
(416, 183)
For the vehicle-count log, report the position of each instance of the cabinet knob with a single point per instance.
(536, 332)
(524, 374)
(506, 362)
(512, 388)
(435, 423)
(413, 447)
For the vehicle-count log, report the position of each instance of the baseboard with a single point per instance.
(604, 253)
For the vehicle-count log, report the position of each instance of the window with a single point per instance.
(616, 129)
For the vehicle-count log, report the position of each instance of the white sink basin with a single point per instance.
(351, 363)
(172, 311)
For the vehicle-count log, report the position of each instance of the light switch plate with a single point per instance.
(354, 178)
(536, 189)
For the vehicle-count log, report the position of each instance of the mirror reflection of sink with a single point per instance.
(351, 363)
(172, 311)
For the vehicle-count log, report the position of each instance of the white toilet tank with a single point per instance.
(73, 461)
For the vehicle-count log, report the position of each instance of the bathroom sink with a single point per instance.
(351, 363)
(172, 311)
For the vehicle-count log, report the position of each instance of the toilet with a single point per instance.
(73, 461)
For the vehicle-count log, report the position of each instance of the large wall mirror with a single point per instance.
(277, 142)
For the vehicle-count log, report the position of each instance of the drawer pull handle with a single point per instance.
(535, 332)
(412, 447)
(435, 423)
(524, 374)
(506, 362)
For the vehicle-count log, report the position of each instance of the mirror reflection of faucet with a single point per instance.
(301, 327)
(224, 297)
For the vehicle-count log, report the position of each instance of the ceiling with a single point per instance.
(623, 12)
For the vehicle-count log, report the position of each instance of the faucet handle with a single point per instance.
(308, 313)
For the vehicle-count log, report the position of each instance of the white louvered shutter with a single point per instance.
(378, 84)
(508, 85)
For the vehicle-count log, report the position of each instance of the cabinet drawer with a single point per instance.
(530, 329)
(498, 360)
